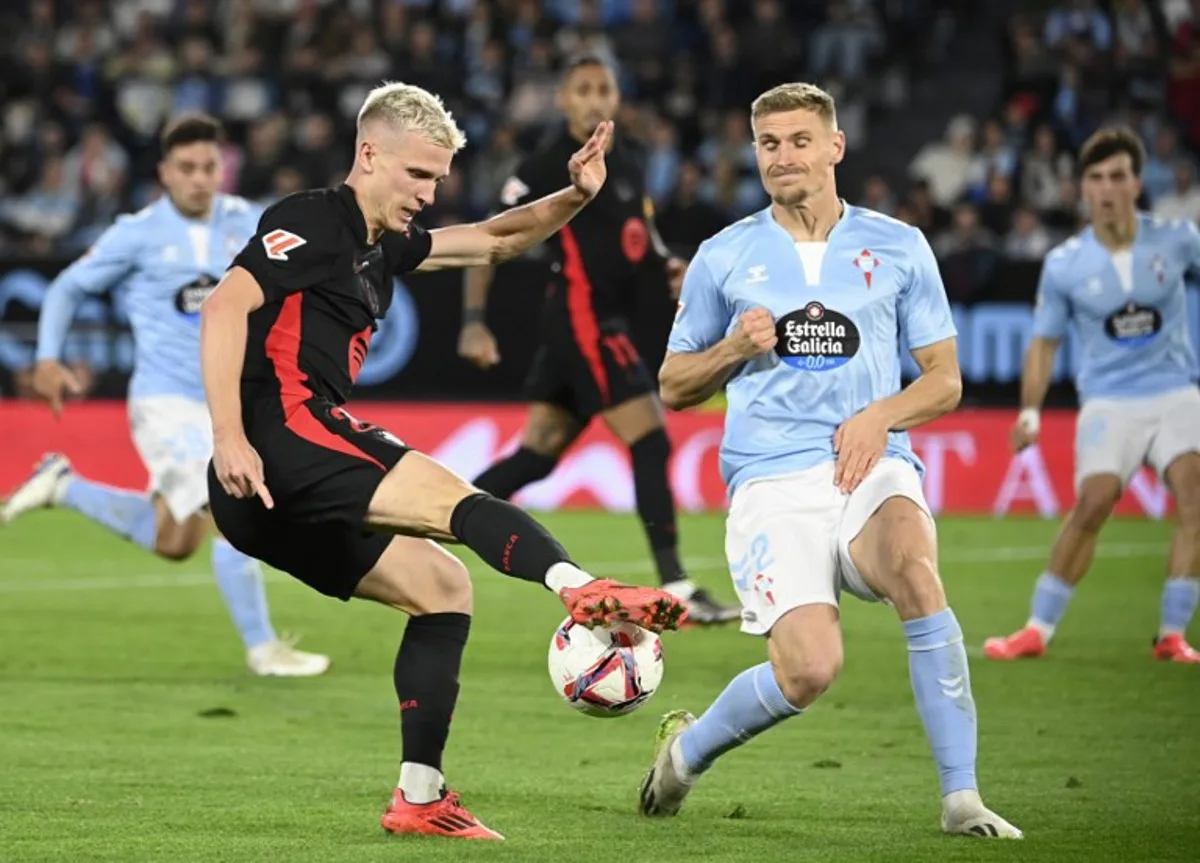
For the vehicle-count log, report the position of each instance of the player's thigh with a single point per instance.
(888, 542)
(806, 653)
(417, 497)
(1112, 438)
(549, 429)
(173, 437)
(1177, 437)
(779, 540)
(330, 557)
(417, 576)
(635, 418)
(1183, 480)
(1098, 493)
(552, 381)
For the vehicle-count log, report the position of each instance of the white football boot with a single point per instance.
(667, 783)
(279, 658)
(44, 488)
(963, 813)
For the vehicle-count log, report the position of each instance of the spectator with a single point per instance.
(946, 165)
(1183, 201)
(1028, 240)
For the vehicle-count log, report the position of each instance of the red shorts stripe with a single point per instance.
(579, 308)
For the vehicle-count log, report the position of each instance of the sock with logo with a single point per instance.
(426, 678)
(1180, 597)
(941, 682)
(509, 475)
(507, 539)
(750, 704)
(1051, 595)
(128, 514)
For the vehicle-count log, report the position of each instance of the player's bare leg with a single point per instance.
(805, 657)
(639, 424)
(423, 580)
(147, 520)
(1181, 592)
(549, 431)
(896, 553)
(1070, 559)
(420, 497)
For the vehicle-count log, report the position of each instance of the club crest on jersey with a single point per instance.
(279, 242)
(816, 339)
(191, 296)
(868, 264)
(1133, 325)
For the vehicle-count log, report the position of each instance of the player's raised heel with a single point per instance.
(45, 487)
(1174, 648)
(964, 814)
(1026, 643)
(604, 602)
(664, 789)
(444, 817)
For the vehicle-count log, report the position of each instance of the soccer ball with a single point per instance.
(606, 671)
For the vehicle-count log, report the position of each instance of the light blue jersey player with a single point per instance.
(1120, 285)
(802, 310)
(168, 257)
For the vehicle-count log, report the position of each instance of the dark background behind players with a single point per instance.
(980, 159)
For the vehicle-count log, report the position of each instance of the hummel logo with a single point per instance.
(758, 273)
(951, 687)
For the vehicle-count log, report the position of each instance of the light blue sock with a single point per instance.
(750, 704)
(240, 580)
(126, 513)
(1180, 597)
(1050, 597)
(941, 682)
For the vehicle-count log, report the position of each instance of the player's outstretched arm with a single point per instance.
(1035, 383)
(223, 328)
(687, 379)
(509, 234)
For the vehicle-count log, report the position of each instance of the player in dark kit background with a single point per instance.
(586, 364)
(343, 505)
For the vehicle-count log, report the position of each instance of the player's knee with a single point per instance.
(546, 439)
(178, 542)
(804, 679)
(1093, 508)
(917, 590)
(652, 449)
(453, 590)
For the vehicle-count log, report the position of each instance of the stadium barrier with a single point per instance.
(969, 467)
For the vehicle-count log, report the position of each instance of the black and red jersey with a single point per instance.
(596, 260)
(325, 287)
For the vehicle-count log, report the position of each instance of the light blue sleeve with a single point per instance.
(703, 315)
(1052, 309)
(925, 317)
(1191, 246)
(100, 268)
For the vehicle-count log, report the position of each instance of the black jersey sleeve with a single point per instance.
(294, 248)
(405, 252)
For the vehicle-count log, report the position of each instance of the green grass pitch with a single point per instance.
(130, 729)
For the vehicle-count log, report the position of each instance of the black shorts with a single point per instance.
(322, 467)
(586, 373)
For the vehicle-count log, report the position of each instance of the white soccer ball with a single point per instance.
(606, 671)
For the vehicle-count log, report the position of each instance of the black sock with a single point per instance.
(506, 538)
(426, 677)
(508, 476)
(655, 504)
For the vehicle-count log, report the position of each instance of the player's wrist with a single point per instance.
(1030, 419)
(473, 316)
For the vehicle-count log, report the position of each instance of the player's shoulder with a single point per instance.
(306, 205)
(1158, 229)
(879, 231)
(1067, 254)
(719, 253)
(236, 206)
(134, 227)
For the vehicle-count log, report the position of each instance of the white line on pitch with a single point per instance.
(1000, 554)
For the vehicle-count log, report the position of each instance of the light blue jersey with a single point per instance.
(841, 309)
(167, 264)
(1129, 309)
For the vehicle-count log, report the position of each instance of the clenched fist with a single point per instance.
(754, 334)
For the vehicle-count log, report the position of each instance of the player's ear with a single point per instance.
(839, 147)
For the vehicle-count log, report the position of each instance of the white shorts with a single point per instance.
(1117, 436)
(173, 435)
(788, 537)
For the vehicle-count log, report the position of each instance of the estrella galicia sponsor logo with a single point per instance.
(192, 295)
(1132, 325)
(816, 339)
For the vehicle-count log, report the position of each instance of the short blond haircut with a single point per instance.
(794, 97)
(413, 109)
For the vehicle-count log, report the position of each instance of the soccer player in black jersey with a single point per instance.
(340, 504)
(586, 364)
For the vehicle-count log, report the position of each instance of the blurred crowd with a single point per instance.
(86, 85)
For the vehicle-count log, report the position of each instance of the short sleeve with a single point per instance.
(294, 248)
(1052, 309)
(1191, 247)
(924, 309)
(405, 252)
(703, 315)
